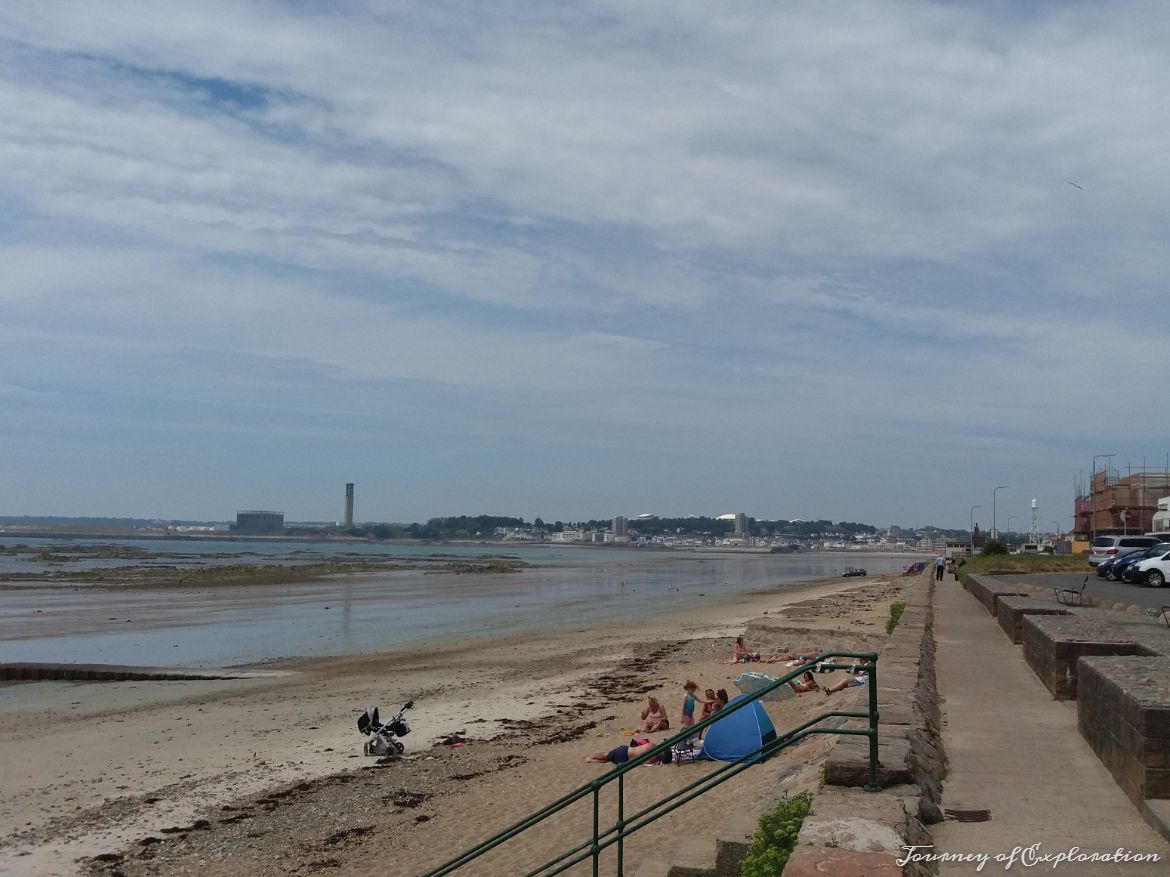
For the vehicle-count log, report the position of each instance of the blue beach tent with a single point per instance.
(738, 733)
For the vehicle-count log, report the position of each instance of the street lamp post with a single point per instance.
(994, 531)
(971, 529)
(1093, 497)
(1056, 533)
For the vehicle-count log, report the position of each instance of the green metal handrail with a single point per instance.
(625, 826)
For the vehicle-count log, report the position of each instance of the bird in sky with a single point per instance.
(1071, 183)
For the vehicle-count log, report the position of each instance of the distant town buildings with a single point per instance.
(255, 523)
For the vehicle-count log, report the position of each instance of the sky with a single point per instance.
(857, 261)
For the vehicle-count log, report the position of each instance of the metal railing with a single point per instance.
(602, 839)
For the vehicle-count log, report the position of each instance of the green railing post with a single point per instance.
(596, 818)
(873, 785)
(621, 821)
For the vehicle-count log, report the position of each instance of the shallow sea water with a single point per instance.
(230, 626)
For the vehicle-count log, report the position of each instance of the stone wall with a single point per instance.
(853, 832)
(1053, 644)
(1114, 660)
(1123, 711)
(1010, 612)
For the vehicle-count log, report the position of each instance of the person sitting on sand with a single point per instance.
(721, 698)
(710, 704)
(621, 754)
(808, 683)
(740, 653)
(654, 717)
(859, 677)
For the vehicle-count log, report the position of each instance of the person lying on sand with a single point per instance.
(621, 754)
(859, 677)
(740, 653)
(654, 717)
(790, 655)
(800, 661)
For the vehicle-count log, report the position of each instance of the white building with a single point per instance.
(1161, 522)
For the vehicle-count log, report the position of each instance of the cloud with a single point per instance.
(774, 231)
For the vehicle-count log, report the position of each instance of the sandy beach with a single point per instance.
(265, 775)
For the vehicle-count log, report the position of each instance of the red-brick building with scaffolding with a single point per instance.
(1121, 503)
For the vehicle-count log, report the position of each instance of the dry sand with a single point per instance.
(265, 776)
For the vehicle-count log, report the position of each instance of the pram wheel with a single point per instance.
(398, 747)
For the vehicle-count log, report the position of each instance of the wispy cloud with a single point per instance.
(792, 249)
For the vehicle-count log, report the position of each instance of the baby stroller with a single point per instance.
(384, 737)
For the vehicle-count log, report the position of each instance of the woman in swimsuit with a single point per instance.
(740, 653)
(654, 717)
(808, 683)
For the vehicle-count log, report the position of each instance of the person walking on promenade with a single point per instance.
(940, 564)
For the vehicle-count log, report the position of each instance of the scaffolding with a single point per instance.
(1120, 504)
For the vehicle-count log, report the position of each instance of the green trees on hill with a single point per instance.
(462, 527)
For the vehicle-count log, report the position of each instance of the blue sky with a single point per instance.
(578, 260)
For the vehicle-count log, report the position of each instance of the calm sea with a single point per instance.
(228, 626)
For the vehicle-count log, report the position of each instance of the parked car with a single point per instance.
(1154, 570)
(1125, 569)
(1105, 547)
(1105, 567)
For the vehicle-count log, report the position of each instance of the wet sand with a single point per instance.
(97, 768)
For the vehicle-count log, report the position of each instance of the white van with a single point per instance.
(1108, 547)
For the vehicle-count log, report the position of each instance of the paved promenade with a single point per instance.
(1098, 589)
(1016, 752)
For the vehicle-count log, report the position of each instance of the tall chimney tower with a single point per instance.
(349, 504)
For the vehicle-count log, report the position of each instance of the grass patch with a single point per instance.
(1025, 563)
(895, 616)
(775, 837)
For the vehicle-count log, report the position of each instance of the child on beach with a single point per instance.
(710, 704)
(688, 707)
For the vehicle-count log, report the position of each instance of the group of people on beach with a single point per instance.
(655, 718)
(740, 654)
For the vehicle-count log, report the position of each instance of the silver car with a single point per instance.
(1108, 547)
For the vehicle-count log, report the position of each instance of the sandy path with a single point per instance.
(93, 768)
